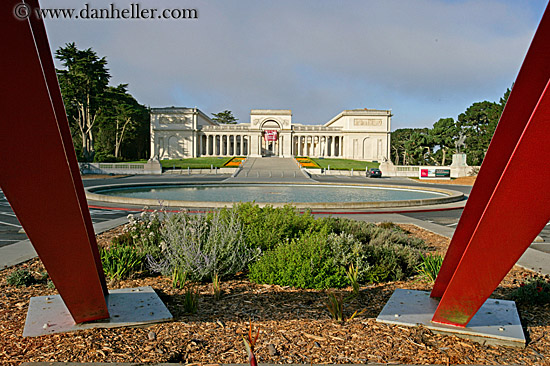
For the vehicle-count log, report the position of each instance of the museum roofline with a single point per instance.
(181, 110)
(276, 112)
(360, 112)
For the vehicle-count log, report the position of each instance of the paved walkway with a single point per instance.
(22, 251)
(270, 170)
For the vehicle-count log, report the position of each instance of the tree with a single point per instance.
(444, 134)
(82, 84)
(410, 145)
(119, 121)
(225, 117)
(479, 122)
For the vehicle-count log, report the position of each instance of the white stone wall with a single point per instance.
(353, 134)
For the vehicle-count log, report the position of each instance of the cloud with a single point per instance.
(424, 59)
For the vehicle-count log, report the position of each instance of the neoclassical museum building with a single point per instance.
(361, 134)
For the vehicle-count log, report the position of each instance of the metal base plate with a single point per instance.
(127, 307)
(497, 321)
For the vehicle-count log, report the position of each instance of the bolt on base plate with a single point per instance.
(497, 321)
(127, 307)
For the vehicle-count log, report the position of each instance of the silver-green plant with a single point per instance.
(202, 246)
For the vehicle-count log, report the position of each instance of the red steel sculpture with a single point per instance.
(510, 201)
(39, 171)
(507, 208)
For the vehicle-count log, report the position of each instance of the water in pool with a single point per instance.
(271, 193)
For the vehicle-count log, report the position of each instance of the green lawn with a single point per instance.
(195, 163)
(344, 164)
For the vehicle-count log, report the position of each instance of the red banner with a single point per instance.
(270, 135)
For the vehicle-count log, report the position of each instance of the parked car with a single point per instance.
(374, 173)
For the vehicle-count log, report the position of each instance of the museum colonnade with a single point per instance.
(223, 144)
(318, 146)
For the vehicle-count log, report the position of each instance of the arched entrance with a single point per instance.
(271, 140)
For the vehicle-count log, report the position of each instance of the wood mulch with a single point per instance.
(294, 325)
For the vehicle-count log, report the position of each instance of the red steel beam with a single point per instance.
(525, 94)
(41, 41)
(516, 212)
(39, 171)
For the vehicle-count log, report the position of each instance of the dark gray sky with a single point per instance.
(424, 59)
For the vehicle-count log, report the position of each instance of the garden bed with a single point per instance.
(295, 326)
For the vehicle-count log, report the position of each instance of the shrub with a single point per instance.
(395, 236)
(362, 231)
(200, 246)
(145, 233)
(535, 290)
(389, 262)
(306, 262)
(320, 260)
(388, 255)
(120, 262)
(266, 227)
(387, 225)
(20, 277)
(367, 232)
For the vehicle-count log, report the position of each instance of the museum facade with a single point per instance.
(360, 134)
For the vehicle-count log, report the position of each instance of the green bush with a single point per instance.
(20, 278)
(320, 260)
(306, 262)
(399, 261)
(395, 236)
(266, 227)
(366, 232)
(362, 231)
(299, 250)
(120, 262)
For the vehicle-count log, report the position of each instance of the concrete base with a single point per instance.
(497, 321)
(127, 307)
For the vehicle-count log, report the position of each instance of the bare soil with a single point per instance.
(294, 325)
